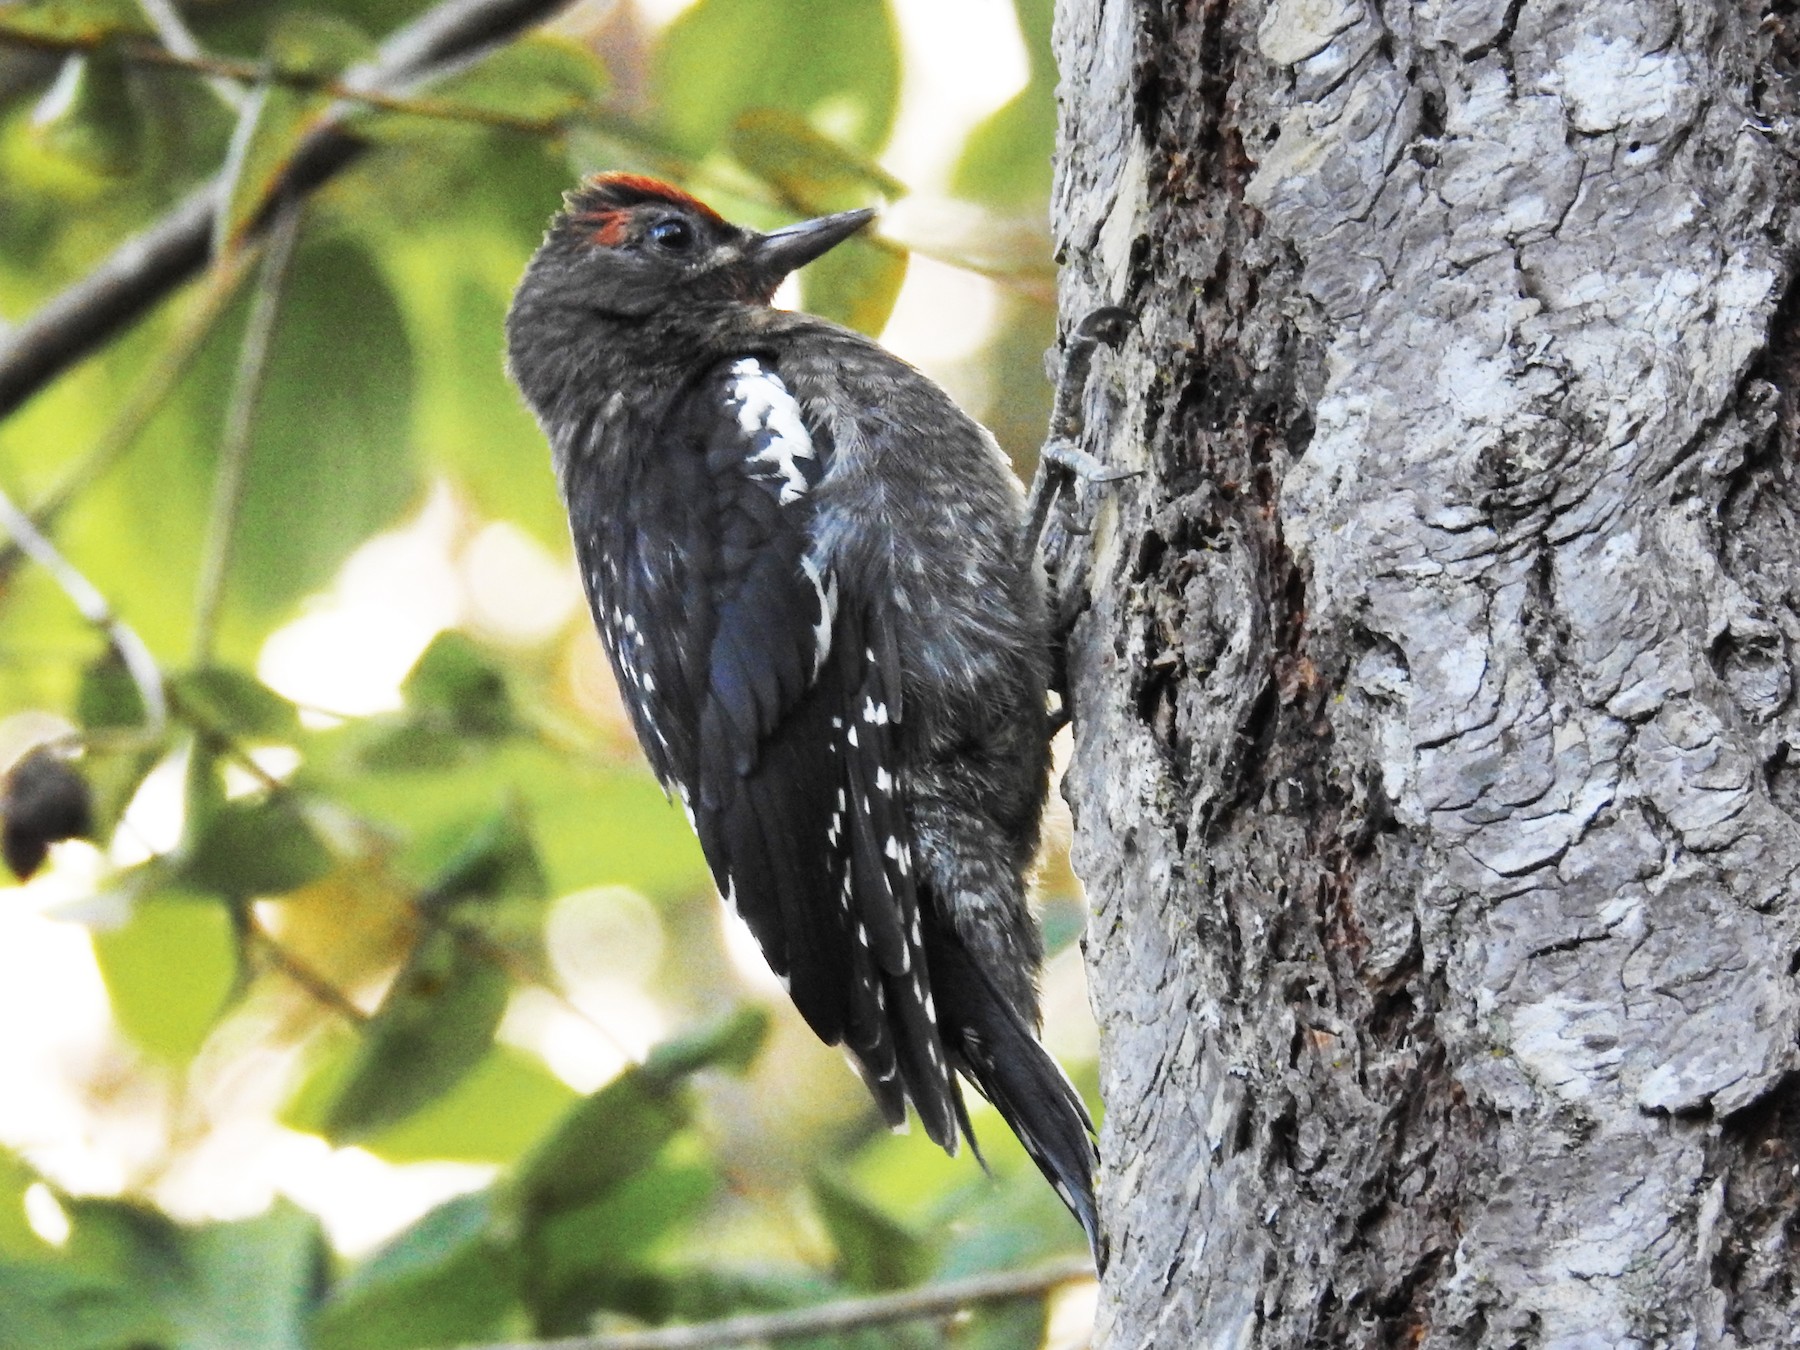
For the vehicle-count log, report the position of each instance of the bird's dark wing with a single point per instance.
(766, 690)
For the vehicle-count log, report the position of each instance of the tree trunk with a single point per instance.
(1434, 702)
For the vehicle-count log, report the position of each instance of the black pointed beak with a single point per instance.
(779, 252)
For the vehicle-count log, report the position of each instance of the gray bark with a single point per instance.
(1434, 705)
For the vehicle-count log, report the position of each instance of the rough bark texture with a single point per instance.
(1435, 701)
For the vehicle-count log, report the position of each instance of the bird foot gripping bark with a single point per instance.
(1062, 458)
(1062, 462)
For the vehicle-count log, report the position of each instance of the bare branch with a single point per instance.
(934, 1301)
(94, 607)
(145, 269)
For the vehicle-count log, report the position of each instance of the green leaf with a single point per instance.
(308, 42)
(108, 699)
(607, 1138)
(434, 1026)
(497, 860)
(456, 695)
(856, 284)
(617, 1131)
(614, 827)
(17, 1239)
(459, 685)
(590, 1258)
(89, 117)
(329, 460)
(836, 65)
(440, 1282)
(593, 825)
(700, 1293)
(110, 535)
(443, 1233)
(448, 200)
(1003, 1326)
(212, 1286)
(874, 1251)
(51, 1307)
(330, 463)
(508, 1103)
(235, 704)
(74, 20)
(406, 745)
(541, 77)
(169, 972)
(1005, 1220)
(202, 791)
(624, 1227)
(816, 173)
(374, 16)
(254, 848)
(730, 1042)
(254, 1283)
(1006, 161)
(469, 417)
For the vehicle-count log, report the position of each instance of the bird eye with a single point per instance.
(674, 235)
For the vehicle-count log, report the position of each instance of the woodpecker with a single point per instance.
(810, 570)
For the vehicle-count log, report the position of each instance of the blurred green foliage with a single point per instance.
(375, 903)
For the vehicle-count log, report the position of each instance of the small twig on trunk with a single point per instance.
(933, 1301)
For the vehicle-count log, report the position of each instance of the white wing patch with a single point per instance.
(767, 411)
(769, 417)
(824, 585)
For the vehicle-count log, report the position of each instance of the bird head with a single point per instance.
(628, 246)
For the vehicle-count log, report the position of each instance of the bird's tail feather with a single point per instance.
(998, 1053)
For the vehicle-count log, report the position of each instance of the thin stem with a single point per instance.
(231, 72)
(240, 419)
(221, 740)
(321, 989)
(180, 40)
(139, 663)
(934, 1301)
